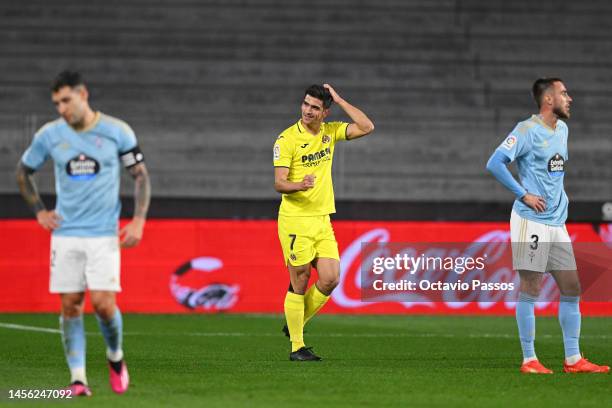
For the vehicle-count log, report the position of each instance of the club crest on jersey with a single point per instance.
(556, 165)
(326, 139)
(509, 142)
(82, 167)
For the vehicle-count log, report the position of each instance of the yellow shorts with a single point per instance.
(306, 238)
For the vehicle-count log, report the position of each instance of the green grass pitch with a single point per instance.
(369, 361)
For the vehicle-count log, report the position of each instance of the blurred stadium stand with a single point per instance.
(208, 85)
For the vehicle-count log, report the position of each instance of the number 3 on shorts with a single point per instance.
(534, 244)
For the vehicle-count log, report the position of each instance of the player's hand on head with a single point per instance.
(49, 220)
(333, 93)
(537, 203)
(131, 234)
(308, 182)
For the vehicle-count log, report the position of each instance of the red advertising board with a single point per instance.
(191, 266)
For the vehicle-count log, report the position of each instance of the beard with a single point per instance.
(561, 113)
(76, 122)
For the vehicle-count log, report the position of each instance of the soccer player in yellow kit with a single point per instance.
(303, 156)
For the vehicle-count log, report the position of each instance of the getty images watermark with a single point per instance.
(474, 271)
(422, 264)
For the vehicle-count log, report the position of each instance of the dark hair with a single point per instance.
(540, 86)
(319, 92)
(67, 78)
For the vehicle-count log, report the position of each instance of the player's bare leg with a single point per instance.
(72, 304)
(570, 320)
(111, 325)
(530, 282)
(73, 339)
(299, 277)
(328, 270)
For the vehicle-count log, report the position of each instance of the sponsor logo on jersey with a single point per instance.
(556, 165)
(313, 159)
(276, 152)
(82, 167)
(326, 139)
(304, 145)
(509, 142)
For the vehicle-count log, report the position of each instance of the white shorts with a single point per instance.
(80, 263)
(539, 247)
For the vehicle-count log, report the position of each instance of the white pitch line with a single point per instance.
(354, 335)
(366, 335)
(28, 328)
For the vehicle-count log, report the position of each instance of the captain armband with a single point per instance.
(131, 157)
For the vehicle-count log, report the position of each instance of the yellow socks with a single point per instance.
(314, 300)
(294, 313)
(298, 310)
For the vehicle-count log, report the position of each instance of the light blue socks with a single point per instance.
(73, 339)
(112, 330)
(569, 318)
(525, 318)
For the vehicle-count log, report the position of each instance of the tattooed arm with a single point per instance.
(132, 233)
(49, 220)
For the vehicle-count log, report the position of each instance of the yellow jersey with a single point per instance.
(304, 153)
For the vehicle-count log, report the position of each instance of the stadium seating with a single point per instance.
(208, 86)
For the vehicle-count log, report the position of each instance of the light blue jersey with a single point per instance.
(87, 172)
(540, 153)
